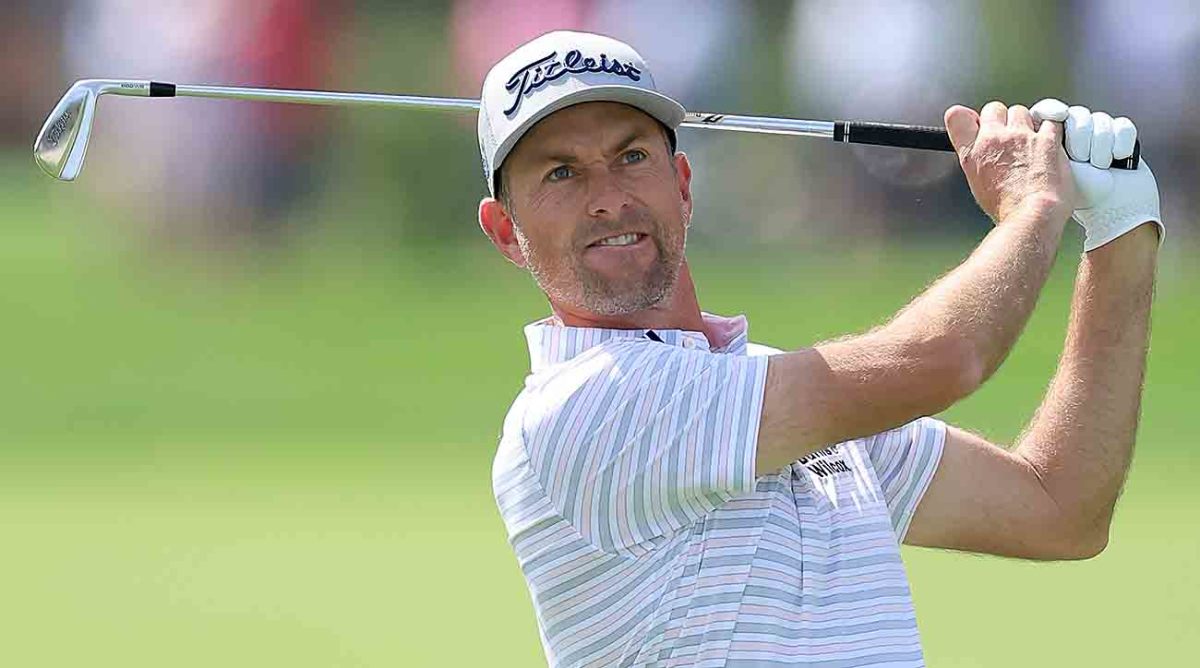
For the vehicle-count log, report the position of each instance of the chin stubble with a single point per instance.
(576, 285)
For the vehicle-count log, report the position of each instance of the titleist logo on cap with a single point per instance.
(548, 68)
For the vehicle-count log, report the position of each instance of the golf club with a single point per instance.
(62, 143)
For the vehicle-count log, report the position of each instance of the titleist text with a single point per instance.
(544, 70)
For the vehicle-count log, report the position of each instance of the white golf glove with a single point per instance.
(1112, 201)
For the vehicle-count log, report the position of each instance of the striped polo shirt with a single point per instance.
(625, 478)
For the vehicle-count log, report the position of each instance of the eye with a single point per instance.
(636, 155)
(559, 173)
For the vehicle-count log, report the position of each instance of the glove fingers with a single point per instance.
(1079, 133)
(1048, 109)
(1124, 138)
(1102, 140)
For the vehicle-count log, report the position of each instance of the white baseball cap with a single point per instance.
(553, 72)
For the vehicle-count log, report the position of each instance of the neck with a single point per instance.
(681, 311)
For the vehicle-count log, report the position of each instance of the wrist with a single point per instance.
(1101, 230)
(1043, 206)
(1038, 219)
(1141, 241)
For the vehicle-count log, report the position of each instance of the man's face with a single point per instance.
(599, 208)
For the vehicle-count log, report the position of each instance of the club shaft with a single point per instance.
(50, 154)
(849, 132)
(327, 98)
(758, 124)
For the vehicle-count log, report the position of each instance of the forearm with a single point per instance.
(1081, 439)
(943, 345)
(932, 354)
(981, 306)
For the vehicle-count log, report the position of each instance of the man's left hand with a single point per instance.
(1111, 201)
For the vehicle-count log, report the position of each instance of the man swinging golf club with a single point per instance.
(679, 496)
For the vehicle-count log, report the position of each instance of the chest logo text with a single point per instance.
(825, 462)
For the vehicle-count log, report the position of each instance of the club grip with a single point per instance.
(924, 137)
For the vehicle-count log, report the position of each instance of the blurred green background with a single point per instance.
(248, 411)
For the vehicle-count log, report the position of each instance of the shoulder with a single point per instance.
(612, 361)
(591, 389)
(561, 395)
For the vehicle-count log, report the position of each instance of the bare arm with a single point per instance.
(933, 353)
(944, 344)
(1053, 496)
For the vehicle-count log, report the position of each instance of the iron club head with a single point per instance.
(62, 143)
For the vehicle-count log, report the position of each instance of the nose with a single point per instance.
(605, 194)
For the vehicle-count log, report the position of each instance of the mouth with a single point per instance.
(619, 254)
(619, 240)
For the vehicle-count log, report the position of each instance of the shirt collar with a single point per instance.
(553, 343)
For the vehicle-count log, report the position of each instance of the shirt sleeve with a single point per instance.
(905, 460)
(634, 440)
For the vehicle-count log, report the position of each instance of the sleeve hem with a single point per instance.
(744, 478)
(939, 443)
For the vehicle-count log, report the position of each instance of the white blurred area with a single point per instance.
(892, 66)
(162, 41)
(898, 59)
(1146, 56)
(895, 61)
(187, 166)
(685, 58)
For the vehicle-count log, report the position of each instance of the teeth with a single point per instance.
(619, 240)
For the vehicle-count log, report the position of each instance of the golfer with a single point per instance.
(679, 496)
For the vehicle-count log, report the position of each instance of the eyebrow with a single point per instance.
(570, 159)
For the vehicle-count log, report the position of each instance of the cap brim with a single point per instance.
(666, 110)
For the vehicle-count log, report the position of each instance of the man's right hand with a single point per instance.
(1009, 164)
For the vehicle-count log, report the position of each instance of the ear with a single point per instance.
(498, 226)
(683, 174)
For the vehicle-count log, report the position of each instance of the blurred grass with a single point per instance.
(208, 462)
